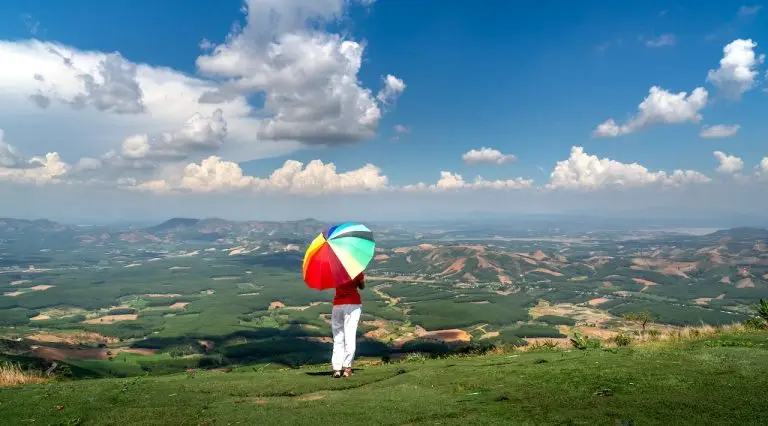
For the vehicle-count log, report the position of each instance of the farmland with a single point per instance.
(189, 293)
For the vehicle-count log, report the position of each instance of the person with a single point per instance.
(344, 319)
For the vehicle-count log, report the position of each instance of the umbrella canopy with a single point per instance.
(338, 255)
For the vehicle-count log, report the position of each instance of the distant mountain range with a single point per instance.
(212, 229)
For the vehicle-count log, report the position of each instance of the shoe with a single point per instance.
(347, 372)
(337, 374)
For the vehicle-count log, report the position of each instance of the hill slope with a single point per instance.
(715, 381)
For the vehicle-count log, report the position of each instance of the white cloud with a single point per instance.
(487, 156)
(738, 69)
(169, 97)
(320, 178)
(659, 107)
(393, 87)
(762, 168)
(39, 170)
(453, 181)
(198, 134)
(719, 131)
(729, 164)
(662, 40)
(308, 77)
(584, 171)
(216, 175)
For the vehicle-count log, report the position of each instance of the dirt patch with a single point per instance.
(547, 271)
(41, 287)
(227, 278)
(381, 257)
(77, 338)
(276, 305)
(726, 280)
(455, 267)
(448, 336)
(507, 292)
(647, 284)
(481, 302)
(208, 292)
(178, 268)
(13, 293)
(607, 284)
(622, 293)
(179, 305)
(490, 335)
(599, 300)
(40, 317)
(745, 283)
(582, 314)
(702, 300)
(161, 295)
(111, 319)
(248, 294)
(597, 332)
(539, 255)
(17, 282)
(503, 279)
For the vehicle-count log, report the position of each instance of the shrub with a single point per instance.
(622, 339)
(762, 310)
(755, 323)
(581, 342)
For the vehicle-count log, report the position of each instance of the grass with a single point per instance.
(12, 374)
(662, 383)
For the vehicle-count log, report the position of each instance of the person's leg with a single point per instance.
(337, 327)
(351, 319)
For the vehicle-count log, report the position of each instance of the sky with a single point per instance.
(381, 109)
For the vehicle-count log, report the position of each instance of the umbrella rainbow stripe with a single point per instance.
(338, 254)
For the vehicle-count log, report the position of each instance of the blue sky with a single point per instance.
(523, 79)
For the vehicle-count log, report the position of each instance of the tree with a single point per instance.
(762, 310)
(642, 318)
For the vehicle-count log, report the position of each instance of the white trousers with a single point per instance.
(344, 319)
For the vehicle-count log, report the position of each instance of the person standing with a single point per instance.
(344, 319)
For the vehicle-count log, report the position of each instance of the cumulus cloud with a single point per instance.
(316, 178)
(308, 77)
(199, 133)
(582, 171)
(393, 87)
(729, 164)
(659, 107)
(39, 170)
(453, 181)
(487, 156)
(112, 88)
(170, 98)
(737, 73)
(762, 168)
(719, 131)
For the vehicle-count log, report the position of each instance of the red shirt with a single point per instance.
(347, 294)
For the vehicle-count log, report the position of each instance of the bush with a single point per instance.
(581, 342)
(622, 339)
(755, 323)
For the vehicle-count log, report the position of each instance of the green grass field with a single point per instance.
(720, 380)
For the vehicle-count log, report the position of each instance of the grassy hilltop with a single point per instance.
(719, 379)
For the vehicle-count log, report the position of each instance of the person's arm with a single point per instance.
(361, 283)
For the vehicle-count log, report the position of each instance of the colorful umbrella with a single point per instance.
(337, 255)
